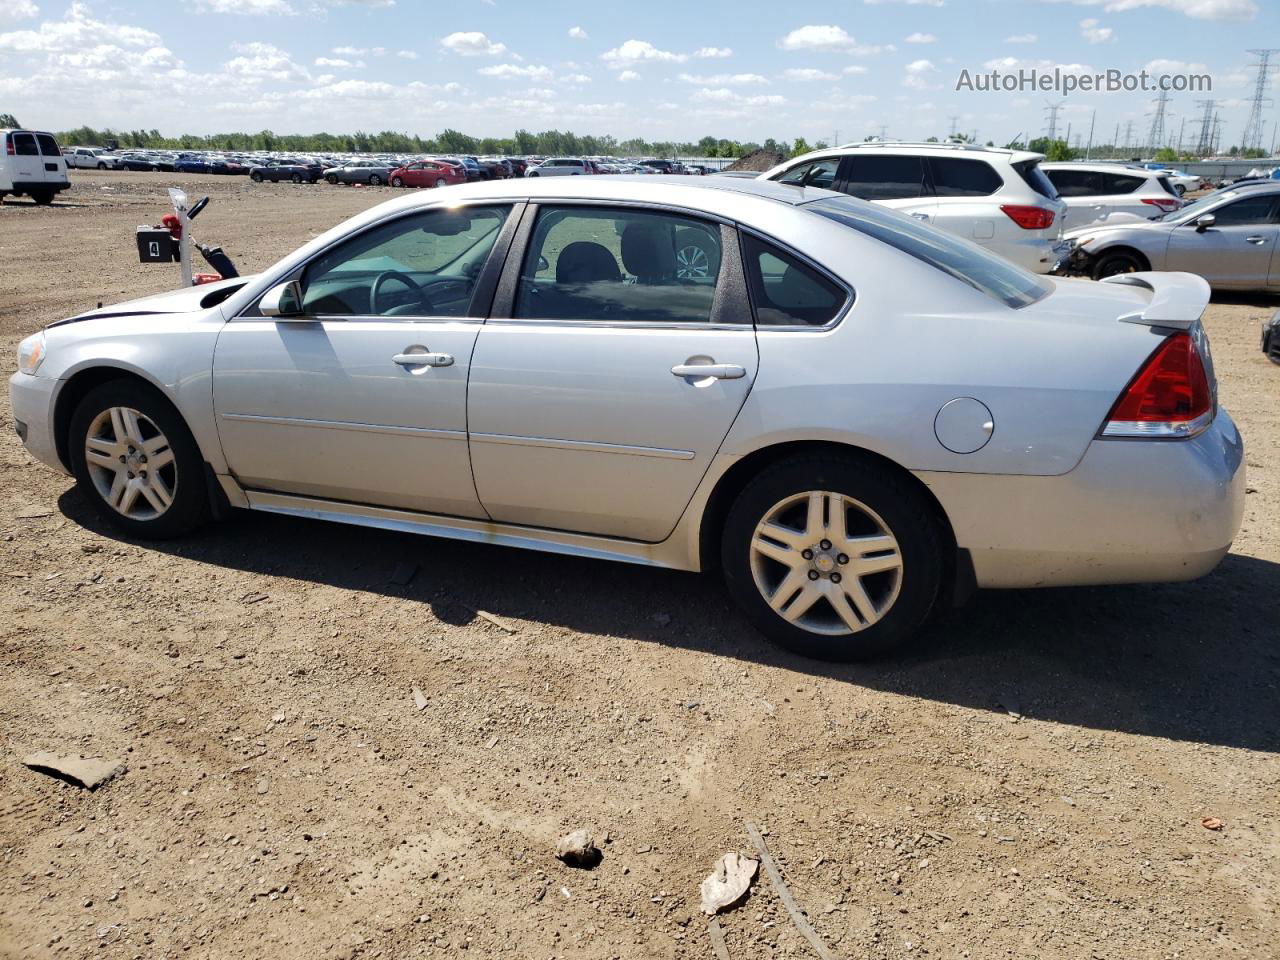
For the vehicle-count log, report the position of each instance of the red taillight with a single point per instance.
(1028, 217)
(1169, 397)
(1164, 203)
(8, 145)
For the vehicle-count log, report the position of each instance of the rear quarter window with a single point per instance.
(964, 177)
(984, 271)
(786, 291)
(1033, 177)
(1121, 183)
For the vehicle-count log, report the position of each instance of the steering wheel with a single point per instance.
(404, 278)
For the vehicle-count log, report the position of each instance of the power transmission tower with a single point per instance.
(1182, 128)
(952, 134)
(1128, 136)
(1052, 110)
(1204, 144)
(1252, 138)
(1115, 141)
(1156, 134)
(1217, 133)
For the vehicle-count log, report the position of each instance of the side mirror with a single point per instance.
(282, 301)
(1204, 222)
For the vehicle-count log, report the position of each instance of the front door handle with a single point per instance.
(1256, 240)
(716, 371)
(921, 216)
(423, 359)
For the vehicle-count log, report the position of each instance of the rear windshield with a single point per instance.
(1029, 171)
(1168, 186)
(967, 262)
(48, 146)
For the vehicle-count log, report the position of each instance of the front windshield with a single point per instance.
(1194, 209)
(979, 268)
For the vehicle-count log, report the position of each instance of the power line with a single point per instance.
(1052, 110)
(1252, 138)
(1204, 143)
(1155, 136)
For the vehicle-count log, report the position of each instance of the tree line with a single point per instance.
(521, 143)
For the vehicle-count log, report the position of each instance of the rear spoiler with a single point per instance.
(1177, 299)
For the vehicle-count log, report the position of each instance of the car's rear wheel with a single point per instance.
(535, 174)
(43, 197)
(331, 179)
(256, 177)
(1121, 261)
(1180, 188)
(837, 558)
(374, 180)
(397, 181)
(136, 462)
(296, 178)
(441, 182)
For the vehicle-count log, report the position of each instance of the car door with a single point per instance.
(604, 383)
(897, 181)
(28, 168)
(1236, 251)
(1081, 191)
(362, 396)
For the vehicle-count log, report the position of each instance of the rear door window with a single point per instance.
(884, 177)
(24, 144)
(1252, 211)
(48, 145)
(963, 177)
(785, 291)
(1121, 183)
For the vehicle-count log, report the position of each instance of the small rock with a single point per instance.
(264, 784)
(89, 774)
(278, 717)
(419, 699)
(578, 849)
(1212, 823)
(90, 548)
(728, 882)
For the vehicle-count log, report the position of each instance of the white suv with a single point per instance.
(1111, 192)
(996, 198)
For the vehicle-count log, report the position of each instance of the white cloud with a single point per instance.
(575, 80)
(354, 90)
(256, 8)
(918, 73)
(1092, 31)
(626, 76)
(508, 70)
(263, 61)
(337, 63)
(77, 31)
(350, 51)
(921, 38)
(639, 51)
(11, 11)
(713, 52)
(1195, 9)
(854, 68)
(723, 79)
(473, 44)
(407, 54)
(577, 33)
(817, 37)
(910, 3)
(726, 96)
(807, 75)
(1021, 38)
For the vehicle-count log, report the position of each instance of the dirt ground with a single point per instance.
(287, 798)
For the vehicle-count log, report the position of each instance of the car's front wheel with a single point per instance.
(331, 179)
(441, 182)
(1112, 264)
(833, 557)
(397, 181)
(136, 462)
(375, 180)
(256, 177)
(296, 178)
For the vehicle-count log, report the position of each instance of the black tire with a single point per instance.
(1117, 262)
(374, 180)
(397, 181)
(256, 177)
(102, 166)
(535, 174)
(902, 509)
(189, 508)
(1180, 188)
(43, 198)
(296, 178)
(441, 182)
(331, 179)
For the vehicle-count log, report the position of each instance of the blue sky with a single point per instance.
(655, 69)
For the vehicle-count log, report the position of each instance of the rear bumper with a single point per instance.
(1037, 256)
(32, 399)
(27, 186)
(1132, 511)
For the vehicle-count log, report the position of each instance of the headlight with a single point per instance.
(31, 353)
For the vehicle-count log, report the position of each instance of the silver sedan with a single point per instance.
(372, 172)
(1228, 237)
(854, 416)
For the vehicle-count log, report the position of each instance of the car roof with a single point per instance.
(644, 189)
(1104, 168)
(926, 146)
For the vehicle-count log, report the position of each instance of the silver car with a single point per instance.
(372, 172)
(854, 416)
(1228, 237)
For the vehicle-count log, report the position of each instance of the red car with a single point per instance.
(426, 173)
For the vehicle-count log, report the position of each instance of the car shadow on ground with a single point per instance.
(1197, 661)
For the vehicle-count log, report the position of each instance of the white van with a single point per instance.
(31, 164)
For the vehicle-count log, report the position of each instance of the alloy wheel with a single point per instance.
(826, 563)
(131, 463)
(692, 263)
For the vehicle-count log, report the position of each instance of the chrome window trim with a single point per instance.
(616, 325)
(515, 212)
(850, 295)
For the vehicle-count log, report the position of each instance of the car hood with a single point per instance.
(186, 300)
(1097, 229)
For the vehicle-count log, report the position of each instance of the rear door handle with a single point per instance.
(423, 359)
(717, 371)
(1256, 239)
